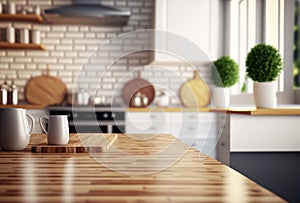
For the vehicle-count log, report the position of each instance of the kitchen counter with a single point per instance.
(280, 110)
(34, 177)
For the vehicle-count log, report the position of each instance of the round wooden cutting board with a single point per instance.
(138, 85)
(45, 90)
(195, 92)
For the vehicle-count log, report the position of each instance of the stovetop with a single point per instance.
(106, 107)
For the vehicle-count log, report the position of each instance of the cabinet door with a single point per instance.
(147, 123)
(195, 20)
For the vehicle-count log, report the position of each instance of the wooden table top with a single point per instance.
(192, 177)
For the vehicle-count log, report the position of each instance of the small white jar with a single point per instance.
(37, 10)
(36, 36)
(11, 8)
(24, 36)
(1, 7)
(10, 34)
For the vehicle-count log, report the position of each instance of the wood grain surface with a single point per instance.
(194, 92)
(45, 90)
(78, 143)
(32, 177)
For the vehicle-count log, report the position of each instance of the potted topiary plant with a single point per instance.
(263, 65)
(224, 74)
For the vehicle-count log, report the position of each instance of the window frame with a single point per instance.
(261, 9)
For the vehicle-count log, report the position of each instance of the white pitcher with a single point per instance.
(14, 128)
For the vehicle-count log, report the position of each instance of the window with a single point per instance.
(296, 71)
(252, 22)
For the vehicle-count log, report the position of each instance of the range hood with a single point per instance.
(86, 12)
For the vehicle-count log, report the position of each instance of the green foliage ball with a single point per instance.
(263, 63)
(225, 73)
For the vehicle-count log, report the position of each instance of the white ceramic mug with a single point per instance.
(58, 129)
(15, 130)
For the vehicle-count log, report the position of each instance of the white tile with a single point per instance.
(67, 41)
(21, 26)
(58, 35)
(50, 41)
(30, 66)
(3, 66)
(37, 54)
(74, 35)
(42, 28)
(88, 41)
(6, 59)
(58, 28)
(55, 66)
(133, 3)
(44, 60)
(65, 74)
(79, 48)
(15, 53)
(71, 54)
(73, 67)
(73, 28)
(84, 28)
(90, 35)
(64, 47)
(57, 53)
(38, 2)
(23, 59)
(65, 61)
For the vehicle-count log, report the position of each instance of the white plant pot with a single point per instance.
(221, 97)
(265, 94)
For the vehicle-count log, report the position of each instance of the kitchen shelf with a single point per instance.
(7, 45)
(24, 106)
(21, 17)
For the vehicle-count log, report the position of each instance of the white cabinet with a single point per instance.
(36, 113)
(195, 129)
(197, 21)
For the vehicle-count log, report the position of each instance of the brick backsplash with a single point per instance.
(71, 52)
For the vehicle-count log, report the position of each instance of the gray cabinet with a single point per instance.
(264, 148)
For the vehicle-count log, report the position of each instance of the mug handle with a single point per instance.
(32, 122)
(41, 123)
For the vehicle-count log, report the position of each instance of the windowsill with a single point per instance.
(246, 99)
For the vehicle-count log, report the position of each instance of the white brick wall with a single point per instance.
(69, 46)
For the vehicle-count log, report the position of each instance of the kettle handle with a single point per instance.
(32, 123)
(42, 125)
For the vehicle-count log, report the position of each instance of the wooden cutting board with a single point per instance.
(45, 90)
(138, 85)
(79, 143)
(195, 92)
